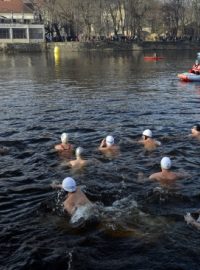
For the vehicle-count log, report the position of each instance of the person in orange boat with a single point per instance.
(196, 68)
(65, 146)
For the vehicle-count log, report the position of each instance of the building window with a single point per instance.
(19, 33)
(36, 33)
(4, 33)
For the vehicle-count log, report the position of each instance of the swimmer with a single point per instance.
(75, 197)
(149, 143)
(79, 162)
(165, 173)
(65, 145)
(190, 220)
(195, 131)
(108, 146)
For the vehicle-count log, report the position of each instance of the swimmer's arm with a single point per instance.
(57, 147)
(158, 143)
(103, 144)
(196, 224)
(190, 220)
(181, 175)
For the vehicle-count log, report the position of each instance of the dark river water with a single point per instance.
(90, 96)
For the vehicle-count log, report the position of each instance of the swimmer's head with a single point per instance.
(196, 127)
(147, 133)
(165, 163)
(64, 138)
(69, 184)
(109, 140)
(79, 151)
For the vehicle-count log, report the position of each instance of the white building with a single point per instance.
(17, 23)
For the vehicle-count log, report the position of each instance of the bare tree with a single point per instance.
(196, 14)
(127, 17)
(173, 16)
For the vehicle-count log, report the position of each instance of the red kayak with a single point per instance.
(153, 58)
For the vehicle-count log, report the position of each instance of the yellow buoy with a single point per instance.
(56, 50)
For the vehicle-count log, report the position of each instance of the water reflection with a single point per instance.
(57, 63)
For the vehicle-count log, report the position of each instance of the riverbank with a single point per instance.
(99, 46)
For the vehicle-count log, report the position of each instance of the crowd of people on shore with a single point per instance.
(76, 198)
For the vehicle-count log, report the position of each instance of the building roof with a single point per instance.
(15, 6)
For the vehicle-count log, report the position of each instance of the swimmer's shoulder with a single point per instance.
(156, 176)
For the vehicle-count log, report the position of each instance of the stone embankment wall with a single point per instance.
(124, 46)
(22, 47)
(99, 46)
(96, 46)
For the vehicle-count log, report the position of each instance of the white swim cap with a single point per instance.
(165, 163)
(147, 132)
(68, 184)
(109, 140)
(64, 138)
(79, 151)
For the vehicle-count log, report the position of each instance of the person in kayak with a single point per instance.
(196, 68)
